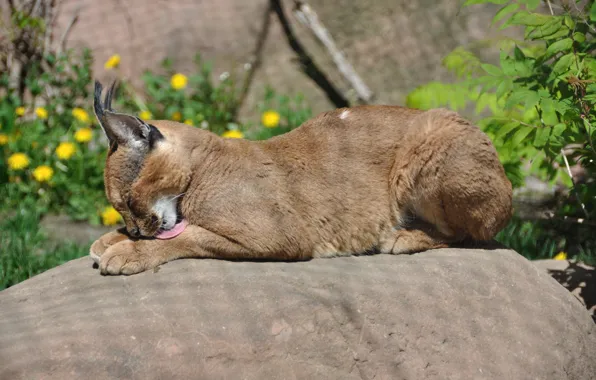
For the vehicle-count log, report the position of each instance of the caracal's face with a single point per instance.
(139, 183)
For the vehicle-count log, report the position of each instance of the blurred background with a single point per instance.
(523, 70)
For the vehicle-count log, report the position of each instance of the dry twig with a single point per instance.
(308, 17)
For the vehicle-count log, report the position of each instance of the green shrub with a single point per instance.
(537, 104)
(52, 158)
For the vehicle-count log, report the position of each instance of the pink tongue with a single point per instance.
(175, 231)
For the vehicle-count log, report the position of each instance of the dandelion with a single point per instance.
(81, 115)
(20, 111)
(178, 81)
(188, 122)
(41, 113)
(233, 134)
(561, 256)
(110, 216)
(112, 62)
(43, 173)
(145, 115)
(18, 161)
(270, 119)
(223, 76)
(3, 139)
(204, 124)
(65, 150)
(176, 116)
(83, 135)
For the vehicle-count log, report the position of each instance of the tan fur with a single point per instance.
(380, 178)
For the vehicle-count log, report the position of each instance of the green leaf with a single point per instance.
(558, 46)
(529, 19)
(532, 4)
(507, 128)
(504, 11)
(541, 137)
(528, 97)
(558, 130)
(563, 32)
(593, 12)
(491, 69)
(503, 88)
(579, 37)
(554, 25)
(569, 22)
(522, 133)
(563, 63)
(507, 64)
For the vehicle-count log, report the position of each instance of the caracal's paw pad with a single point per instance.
(103, 243)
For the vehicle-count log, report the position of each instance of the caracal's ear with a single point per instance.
(121, 128)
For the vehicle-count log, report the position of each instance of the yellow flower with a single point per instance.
(178, 81)
(145, 115)
(83, 135)
(270, 119)
(43, 173)
(112, 62)
(41, 113)
(18, 161)
(65, 150)
(20, 111)
(81, 115)
(176, 116)
(561, 256)
(3, 139)
(188, 121)
(110, 216)
(233, 134)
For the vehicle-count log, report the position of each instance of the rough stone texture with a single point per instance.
(395, 45)
(577, 277)
(442, 314)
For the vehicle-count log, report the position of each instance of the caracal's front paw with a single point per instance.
(103, 243)
(124, 258)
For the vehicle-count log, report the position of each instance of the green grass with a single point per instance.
(25, 251)
(544, 239)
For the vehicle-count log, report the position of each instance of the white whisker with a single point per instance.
(177, 196)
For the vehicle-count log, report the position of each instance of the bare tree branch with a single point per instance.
(308, 17)
(306, 61)
(582, 206)
(255, 59)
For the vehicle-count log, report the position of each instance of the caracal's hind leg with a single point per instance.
(418, 237)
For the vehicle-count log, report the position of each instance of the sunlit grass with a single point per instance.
(25, 251)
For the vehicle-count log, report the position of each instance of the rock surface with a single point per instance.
(441, 314)
(394, 45)
(579, 278)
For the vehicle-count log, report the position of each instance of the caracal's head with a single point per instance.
(146, 174)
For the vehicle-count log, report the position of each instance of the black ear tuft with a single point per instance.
(121, 128)
(107, 105)
(100, 108)
(97, 101)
